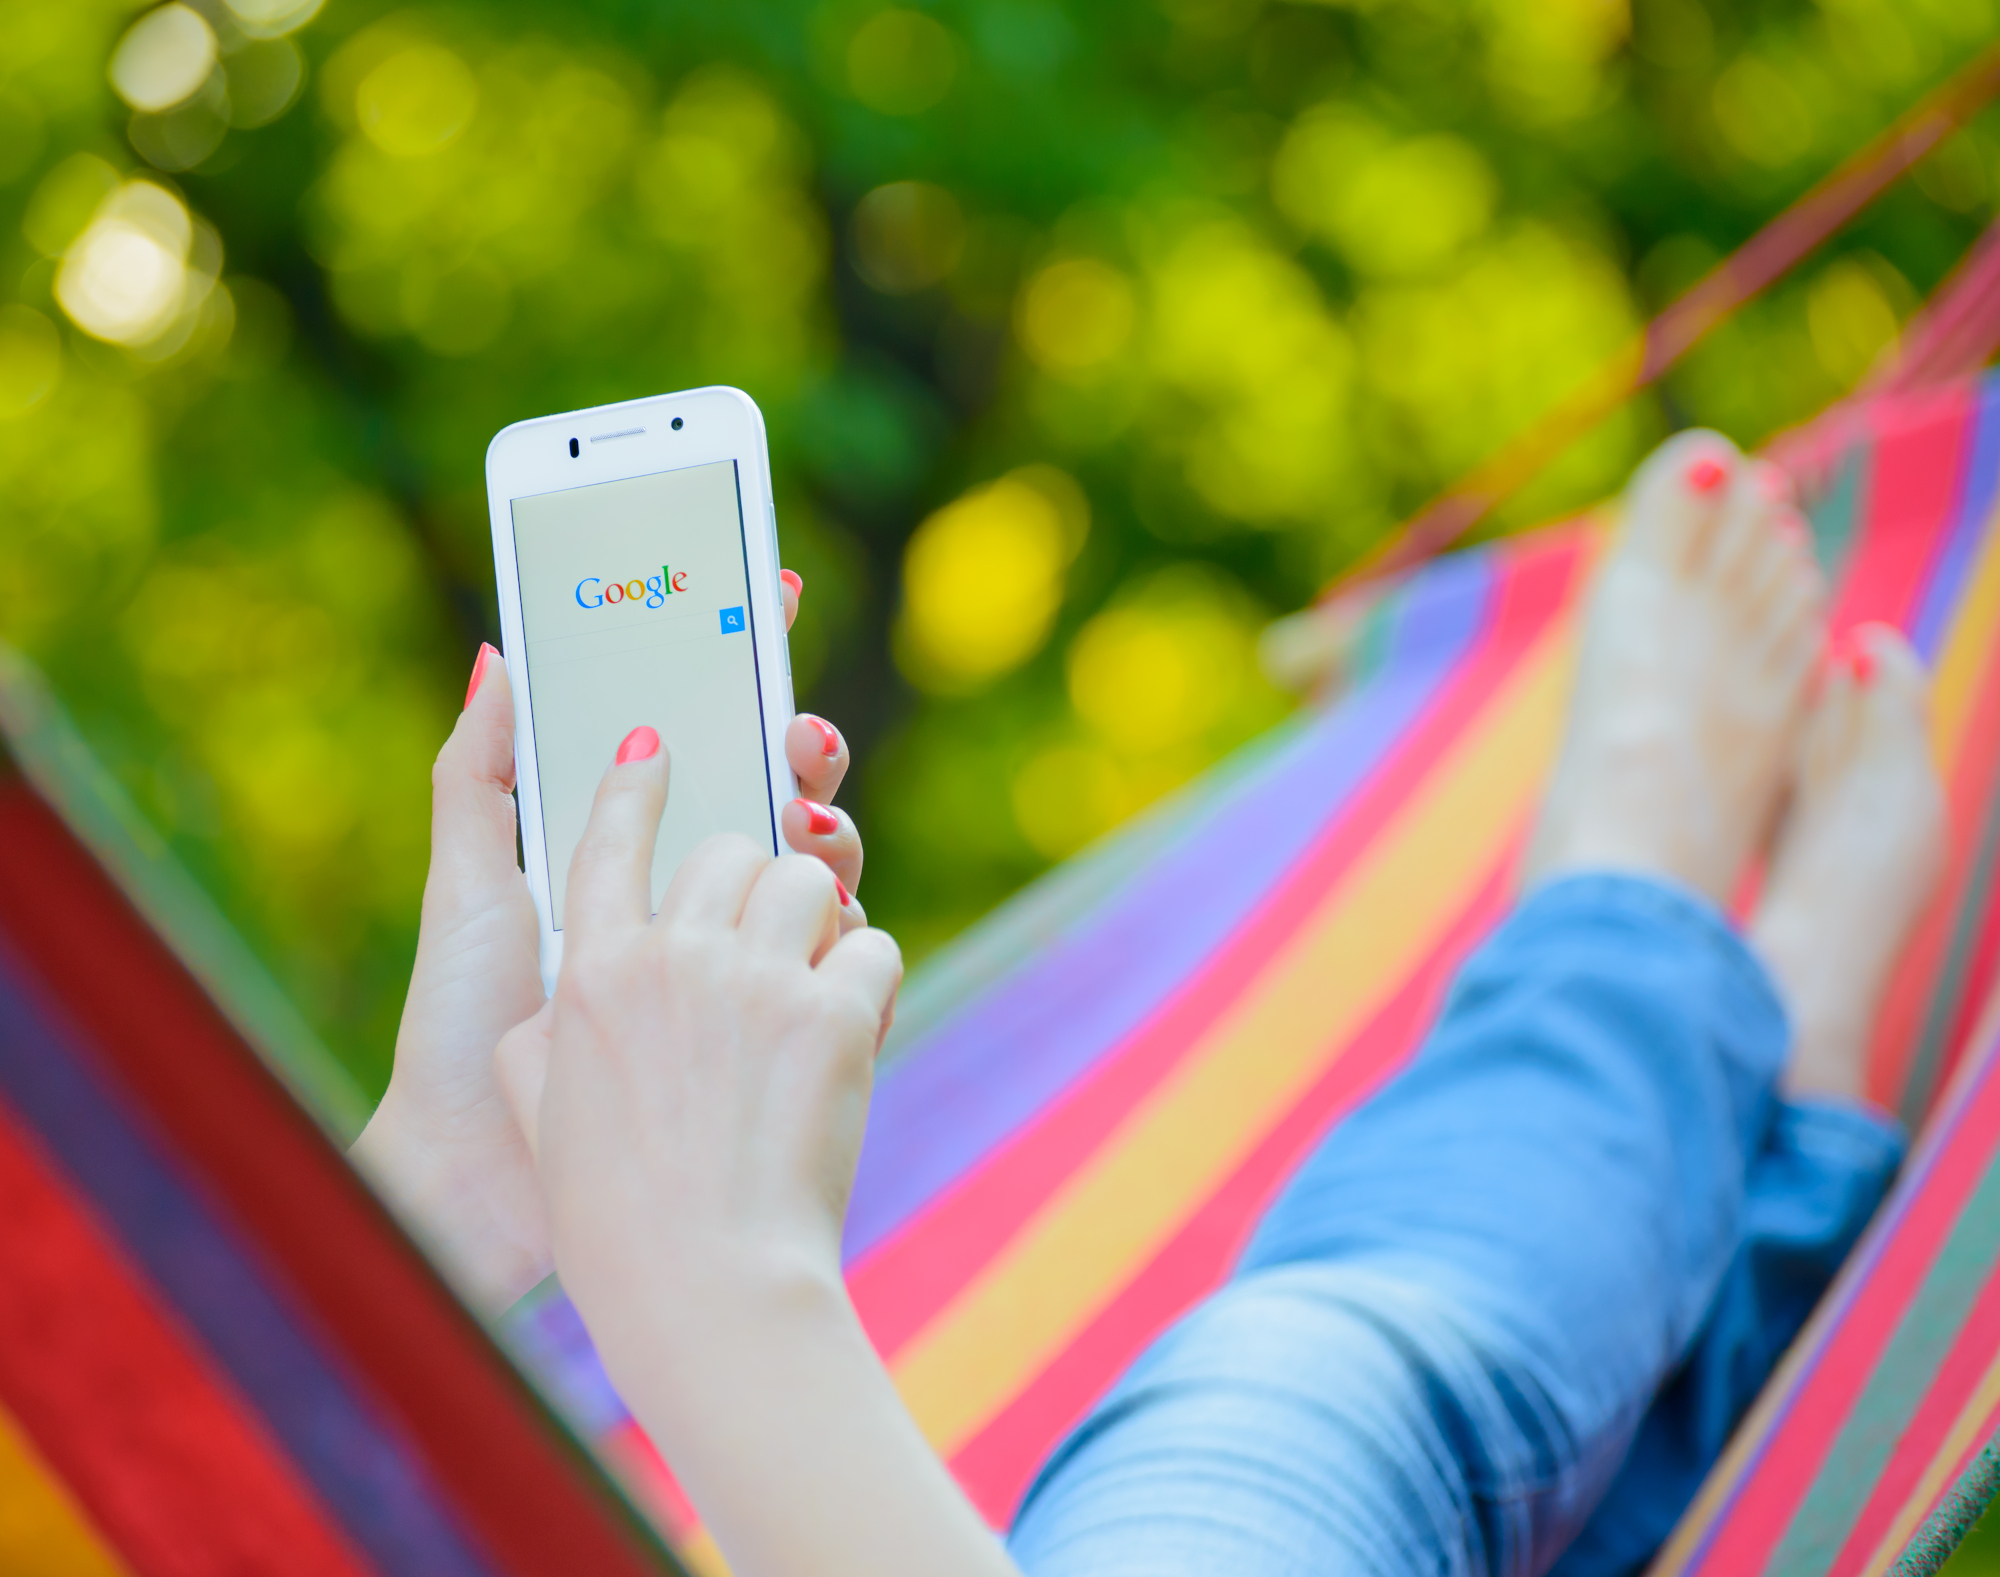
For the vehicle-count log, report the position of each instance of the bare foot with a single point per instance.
(1860, 852)
(1699, 642)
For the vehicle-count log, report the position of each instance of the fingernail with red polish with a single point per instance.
(791, 579)
(486, 655)
(1706, 475)
(829, 737)
(819, 820)
(840, 887)
(642, 744)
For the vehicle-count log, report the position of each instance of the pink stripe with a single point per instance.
(1919, 468)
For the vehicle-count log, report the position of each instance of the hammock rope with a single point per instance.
(1760, 262)
(1954, 1517)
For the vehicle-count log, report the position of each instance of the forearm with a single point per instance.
(789, 1437)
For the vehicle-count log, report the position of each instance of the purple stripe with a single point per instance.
(378, 1492)
(1976, 495)
(1007, 1052)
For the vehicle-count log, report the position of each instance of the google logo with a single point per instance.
(651, 592)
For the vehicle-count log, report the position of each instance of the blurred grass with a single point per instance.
(1089, 336)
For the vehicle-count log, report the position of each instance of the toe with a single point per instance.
(1677, 496)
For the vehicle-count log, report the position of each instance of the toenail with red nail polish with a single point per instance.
(1706, 475)
(829, 737)
(819, 820)
(639, 745)
(486, 655)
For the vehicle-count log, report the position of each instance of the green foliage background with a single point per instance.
(1227, 285)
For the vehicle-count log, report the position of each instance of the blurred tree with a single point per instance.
(1089, 337)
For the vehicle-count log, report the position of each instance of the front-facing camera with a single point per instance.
(677, 424)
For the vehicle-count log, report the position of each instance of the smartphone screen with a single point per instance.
(635, 602)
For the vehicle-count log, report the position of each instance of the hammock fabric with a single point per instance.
(1091, 1099)
(217, 1355)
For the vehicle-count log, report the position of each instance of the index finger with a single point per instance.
(611, 873)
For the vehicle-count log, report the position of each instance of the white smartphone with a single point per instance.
(636, 550)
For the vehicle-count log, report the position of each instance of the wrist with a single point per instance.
(449, 1212)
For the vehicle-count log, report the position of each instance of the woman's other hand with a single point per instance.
(443, 1146)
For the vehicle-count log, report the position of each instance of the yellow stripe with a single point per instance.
(43, 1532)
(1174, 1149)
(1967, 650)
(1965, 1433)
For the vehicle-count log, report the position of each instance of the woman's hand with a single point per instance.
(696, 1090)
(443, 1146)
(694, 1096)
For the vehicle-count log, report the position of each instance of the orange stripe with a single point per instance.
(43, 1532)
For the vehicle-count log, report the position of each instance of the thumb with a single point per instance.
(472, 785)
(521, 1063)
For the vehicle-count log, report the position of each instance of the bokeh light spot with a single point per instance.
(907, 235)
(1761, 115)
(1851, 320)
(163, 58)
(901, 62)
(65, 201)
(125, 277)
(272, 18)
(1076, 315)
(417, 101)
(1163, 668)
(1068, 796)
(30, 359)
(982, 580)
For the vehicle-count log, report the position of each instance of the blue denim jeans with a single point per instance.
(1504, 1318)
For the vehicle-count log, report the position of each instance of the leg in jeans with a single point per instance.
(1822, 1172)
(1439, 1346)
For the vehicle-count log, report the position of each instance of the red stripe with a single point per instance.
(1907, 1001)
(1822, 1402)
(900, 1286)
(165, 1459)
(519, 1488)
(1965, 1365)
(995, 1466)
(1918, 472)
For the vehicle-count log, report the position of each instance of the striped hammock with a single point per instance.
(1092, 1097)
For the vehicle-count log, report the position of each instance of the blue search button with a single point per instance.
(732, 621)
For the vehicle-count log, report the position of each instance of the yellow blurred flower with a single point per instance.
(1242, 332)
(1390, 207)
(1851, 318)
(1068, 795)
(1761, 114)
(1165, 666)
(1075, 315)
(983, 578)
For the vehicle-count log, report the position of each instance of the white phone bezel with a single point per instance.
(533, 457)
